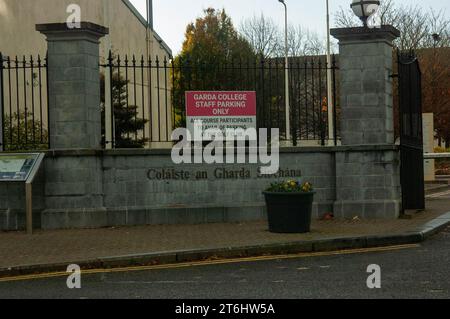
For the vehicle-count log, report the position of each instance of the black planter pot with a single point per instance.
(289, 212)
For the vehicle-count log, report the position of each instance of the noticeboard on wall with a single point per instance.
(17, 167)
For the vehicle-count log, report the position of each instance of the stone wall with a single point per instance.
(368, 183)
(88, 189)
(12, 203)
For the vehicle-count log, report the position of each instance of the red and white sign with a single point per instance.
(221, 110)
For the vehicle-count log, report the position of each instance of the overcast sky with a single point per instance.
(172, 16)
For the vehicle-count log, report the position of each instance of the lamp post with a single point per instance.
(363, 9)
(287, 98)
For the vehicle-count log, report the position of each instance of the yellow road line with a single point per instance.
(212, 262)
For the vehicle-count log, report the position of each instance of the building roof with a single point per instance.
(145, 24)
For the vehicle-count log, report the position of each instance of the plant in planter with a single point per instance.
(289, 206)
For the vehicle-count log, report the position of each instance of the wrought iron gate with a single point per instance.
(411, 134)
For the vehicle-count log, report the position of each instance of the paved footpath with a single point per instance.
(17, 249)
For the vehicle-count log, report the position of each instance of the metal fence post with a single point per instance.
(1, 104)
(47, 88)
(108, 103)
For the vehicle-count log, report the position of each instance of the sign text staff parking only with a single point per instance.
(221, 110)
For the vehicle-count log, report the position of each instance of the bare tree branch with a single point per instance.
(263, 35)
(416, 25)
(267, 39)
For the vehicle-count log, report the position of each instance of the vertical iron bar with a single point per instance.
(216, 77)
(182, 88)
(25, 99)
(306, 101)
(10, 102)
(255, 83)
(2, 100)
(166, 100)
(203, 71)
(188, 68)
(248, 80)
(313, 74)
(135, 99)
(240, 73)
(47, 92)
(277, 74)
(218, 80)
(321, 113)
(111, 93)
(292, 116)
(150, 90)
(335, 102)
(270, 94)
(299, 105)
(263, 92)
(173, 95)
(119, 96)
(17, 100)
(159, 98)
(40, 98)
(143, 94)
(32, 99)
(127, 89)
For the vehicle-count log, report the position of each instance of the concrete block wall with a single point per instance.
(128, 189)
(12, 203)
(112, 188)
(91, 189)
(368, 184)
(73, 191)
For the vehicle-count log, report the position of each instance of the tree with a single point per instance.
(213, 38)
(127, 124)
(267, 39)
(302, 42)
(263, 35)
(435, 66)
(23, 134)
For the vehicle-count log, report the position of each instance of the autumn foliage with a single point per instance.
(435, 67)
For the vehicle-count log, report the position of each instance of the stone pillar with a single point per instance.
(368, 163)
(73, 188)
(74, 85)
(365, 62)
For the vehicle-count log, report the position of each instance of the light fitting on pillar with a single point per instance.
(363, 9)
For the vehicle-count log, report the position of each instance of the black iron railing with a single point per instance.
(23, 103)
(147, 96)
